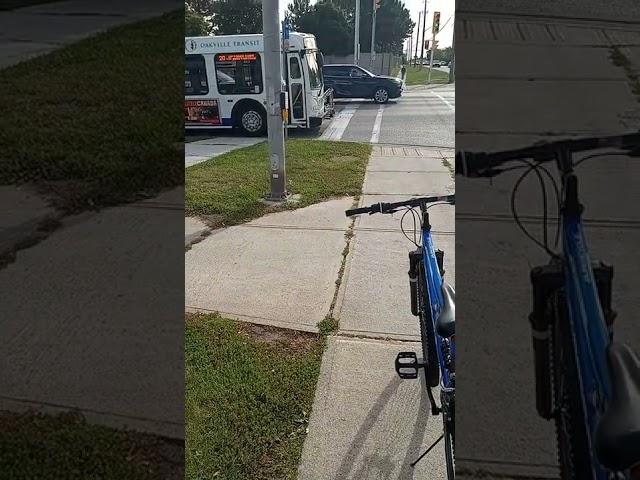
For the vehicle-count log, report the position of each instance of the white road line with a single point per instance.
(375, 134)
(339, 124)
(444, 100)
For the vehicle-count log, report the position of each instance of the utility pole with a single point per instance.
(424, 31)
(376, 6)
(356, 36)
(275, 94)
(452, 65)
(415, 57)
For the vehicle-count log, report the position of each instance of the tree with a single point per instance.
(393, 26)
(393, 23)
(445, 54)
(326, 21)
(296, 11)
(195, 24)
(229, 17)
(203, 7)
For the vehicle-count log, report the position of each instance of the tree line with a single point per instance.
(331, 21)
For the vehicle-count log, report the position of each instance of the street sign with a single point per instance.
(436, 22)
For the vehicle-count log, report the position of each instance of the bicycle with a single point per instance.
(585, 381)
(433, 302)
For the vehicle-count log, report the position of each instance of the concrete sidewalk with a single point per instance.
(39, 29)
(282, 270)
(201, 150)
(75, 335)
(366, 423)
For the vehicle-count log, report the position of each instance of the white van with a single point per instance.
(224, 82)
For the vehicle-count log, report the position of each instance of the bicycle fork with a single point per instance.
(407, 364)
(546, 280)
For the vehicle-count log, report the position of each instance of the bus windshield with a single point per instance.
(315, 80)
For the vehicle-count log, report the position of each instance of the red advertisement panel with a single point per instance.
(202, 112)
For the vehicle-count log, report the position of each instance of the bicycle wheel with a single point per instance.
(571, 432)
(448, 419)
(427, 334)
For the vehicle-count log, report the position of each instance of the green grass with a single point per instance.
(12, 4)
(48, 447)
(249, 392)
(229, 188)
(418, 76)
(100, 121)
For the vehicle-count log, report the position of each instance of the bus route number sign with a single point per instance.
(237, 57)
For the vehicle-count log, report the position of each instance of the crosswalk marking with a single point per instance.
(340, 123)
(375, 134)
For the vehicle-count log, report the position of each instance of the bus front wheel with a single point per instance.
(252, 121)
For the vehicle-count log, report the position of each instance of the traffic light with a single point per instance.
(376, 4)
(436, 22)
(426, 45)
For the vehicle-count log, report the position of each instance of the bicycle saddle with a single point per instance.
(446, 323)
(618, 434)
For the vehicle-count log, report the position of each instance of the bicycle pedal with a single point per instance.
(408, 365)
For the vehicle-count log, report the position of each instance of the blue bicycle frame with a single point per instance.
(433, 286)
(589, 330)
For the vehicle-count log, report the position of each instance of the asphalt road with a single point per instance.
(423, 117)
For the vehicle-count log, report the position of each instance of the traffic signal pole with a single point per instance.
(275, 94)
(376, 6)
(415, 57)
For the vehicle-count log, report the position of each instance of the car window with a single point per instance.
(333, 71)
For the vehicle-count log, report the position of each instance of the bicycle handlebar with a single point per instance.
(470, 164)
(383, 207)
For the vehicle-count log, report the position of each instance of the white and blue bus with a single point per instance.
(224, 82)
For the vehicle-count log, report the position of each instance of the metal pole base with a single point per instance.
(286, 198)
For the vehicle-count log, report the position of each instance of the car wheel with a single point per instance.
(381, 95)
(253, 122)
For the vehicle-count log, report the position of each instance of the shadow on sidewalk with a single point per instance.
(381, 465)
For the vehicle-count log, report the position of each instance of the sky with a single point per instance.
(445, 7)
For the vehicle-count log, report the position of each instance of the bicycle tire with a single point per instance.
(571, 433)
(427, 335)
(448, 420)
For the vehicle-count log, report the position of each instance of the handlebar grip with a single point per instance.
(357, 211)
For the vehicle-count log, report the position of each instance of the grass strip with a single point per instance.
(229, 188)
(418, 76)
(53, 447)
(249, 392)
(100, 121)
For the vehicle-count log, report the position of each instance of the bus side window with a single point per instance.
(294, 68)
(195, 76)
(238, 73)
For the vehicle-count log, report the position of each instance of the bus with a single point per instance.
(224, 82)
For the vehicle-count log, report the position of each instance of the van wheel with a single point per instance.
(252, 121)
(381, 95)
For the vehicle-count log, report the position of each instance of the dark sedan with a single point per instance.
(353, 81)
